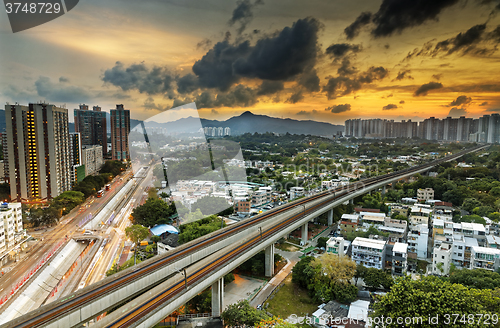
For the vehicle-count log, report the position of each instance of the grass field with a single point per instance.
(287, 247)
(291, 299)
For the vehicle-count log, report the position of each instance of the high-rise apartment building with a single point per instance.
(5, 150)
(75, 154)
(38, 147)
(120, 128)
(91, 124)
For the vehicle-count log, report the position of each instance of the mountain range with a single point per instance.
(251, 123)
(244, 123)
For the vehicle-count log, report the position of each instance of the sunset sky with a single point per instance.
(324, 60)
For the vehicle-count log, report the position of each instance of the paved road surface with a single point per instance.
(67, 226)
(293, 258)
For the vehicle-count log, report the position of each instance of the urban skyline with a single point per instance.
(410, 63)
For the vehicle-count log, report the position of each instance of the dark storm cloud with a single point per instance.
(283, 56)
(397, 15)
(270, 87)
(215, 68)
(437, 76)
(243, 13)
(483, 103)
(344, 85)
(457, 112)
(403, 74)
(306, 113)
(310, 80)
(341, 49)
(474, 41)
(287, 55)
(149, 103)
(57, 92)
(390, 106)
(279, 58)
(204, 44)
(425, 88)
(460, 101)
(346, 68)
(463, 41)
(63, 79)
(238, 96)
(352, 30)
(336, 109)
(401, 102)
(296, 97)
(138, 76)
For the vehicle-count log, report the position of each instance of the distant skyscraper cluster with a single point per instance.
(484, 129)
(217, 131)
(42, 159)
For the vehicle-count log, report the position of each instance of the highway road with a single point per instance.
(116, 236)
(68, 225)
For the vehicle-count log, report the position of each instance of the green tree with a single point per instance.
(322, 242)
(242, 314)
(136, 233)
(375, 278)
(476, 278)
(301, 272)
(470, 203)
(430, 297)
(152, 212)
(113, 167)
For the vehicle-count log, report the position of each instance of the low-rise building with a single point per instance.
(425, 194)
(369, 252)
(242, 207)
(418, 240)
(441, 259)
(11, 225)
(296, 192)
(335, 245)
(485, 258)
(399, 259)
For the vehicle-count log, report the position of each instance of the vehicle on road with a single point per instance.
(100, 193)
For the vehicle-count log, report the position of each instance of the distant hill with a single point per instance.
(246, 122)
(249, 122)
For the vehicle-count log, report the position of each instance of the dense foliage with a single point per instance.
(327, 277)
(153, 212)
(196, 229)
(430, 297)
(476, 278)
(242, 314)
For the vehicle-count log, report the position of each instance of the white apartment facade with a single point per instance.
(369, 252)
(92, 158)
(11, 225)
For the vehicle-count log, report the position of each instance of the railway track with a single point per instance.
(48, 313)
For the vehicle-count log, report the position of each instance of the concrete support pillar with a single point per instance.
(351, 201)
(383, 190)
(269, 258)
(330, 217)
(305, 233)
(218, 297)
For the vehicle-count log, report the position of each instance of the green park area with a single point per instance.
(290, 299)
